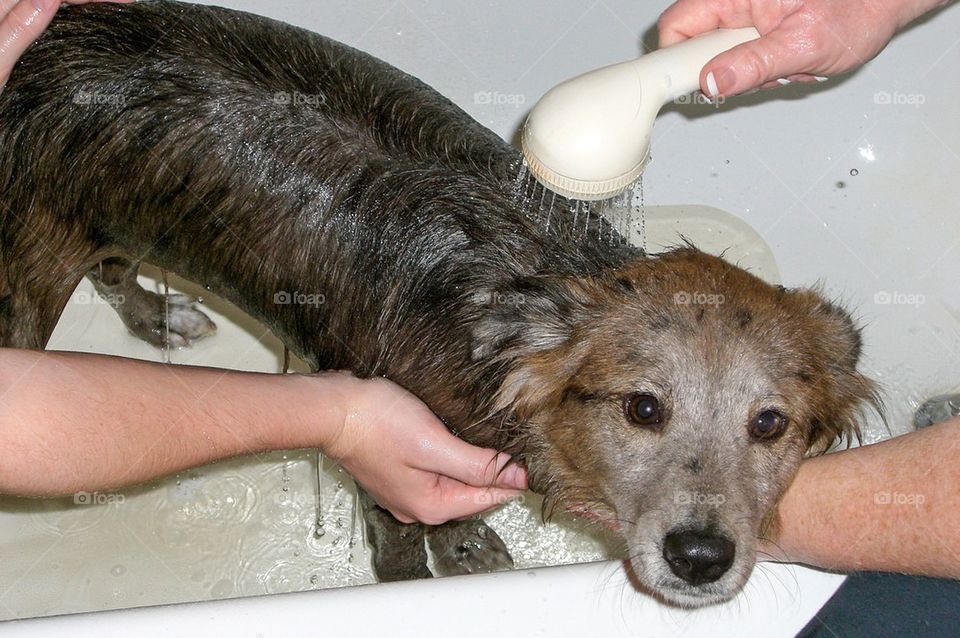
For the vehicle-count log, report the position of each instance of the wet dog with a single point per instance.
(276, 167)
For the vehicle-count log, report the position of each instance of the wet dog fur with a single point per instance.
(154, 132)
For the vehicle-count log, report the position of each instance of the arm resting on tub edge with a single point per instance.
(72, 422)
(893, 506)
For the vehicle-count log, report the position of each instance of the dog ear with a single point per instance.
(843, 394)
(843, 332)
(528, 330)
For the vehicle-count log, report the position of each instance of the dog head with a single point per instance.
(673, 400)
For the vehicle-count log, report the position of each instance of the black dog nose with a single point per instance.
(698, 557)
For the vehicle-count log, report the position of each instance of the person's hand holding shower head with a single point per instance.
(801, 40)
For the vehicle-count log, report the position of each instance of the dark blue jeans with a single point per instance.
(873, 605)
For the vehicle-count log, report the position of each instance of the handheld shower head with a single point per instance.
(589, 137)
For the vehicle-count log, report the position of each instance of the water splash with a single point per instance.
(553, 201)
(529, 190)
(619, 220)
(611, 212)
(519, 184)
(543, 194)
(320, 529)
(638, 205)
(166, 317)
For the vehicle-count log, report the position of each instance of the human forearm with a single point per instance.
(892, 506)
(77, 422)
(72, 422)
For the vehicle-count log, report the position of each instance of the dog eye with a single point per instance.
(768, 425)
(643, 409)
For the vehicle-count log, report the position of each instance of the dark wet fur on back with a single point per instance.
(195, 165)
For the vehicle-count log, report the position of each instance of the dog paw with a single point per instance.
(398, 550)
(936, 410)
(467, 547)
(173, 322)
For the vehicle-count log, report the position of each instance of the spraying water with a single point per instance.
(553, 201)
(637, 204)
(519, 184)
(617, 221)
(166, 317)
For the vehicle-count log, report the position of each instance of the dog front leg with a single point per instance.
(399, 550)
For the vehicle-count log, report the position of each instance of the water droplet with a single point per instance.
(118, 570)
(841, 184)
(854, 172)
(314, 580)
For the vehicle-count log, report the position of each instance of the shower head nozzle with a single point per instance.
(591, 188)
(589, 137)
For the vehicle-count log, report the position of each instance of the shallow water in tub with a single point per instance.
(262, 524)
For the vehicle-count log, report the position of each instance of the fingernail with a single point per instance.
(44, 5)
(783, 81)
(712, 90)
(515, 476)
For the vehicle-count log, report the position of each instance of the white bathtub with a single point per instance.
(849, 183)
